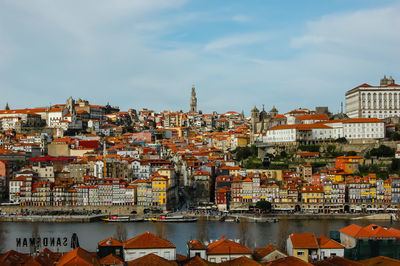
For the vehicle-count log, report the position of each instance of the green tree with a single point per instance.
(382, 151)
(341, 140)
(395, 136)
(309, 148)
(330, 149)
(395, 166)
(351, 153)
(263, 205)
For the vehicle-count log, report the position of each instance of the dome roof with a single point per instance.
(255, 110)
(274, 109)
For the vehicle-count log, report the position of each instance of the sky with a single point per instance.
(238, 54)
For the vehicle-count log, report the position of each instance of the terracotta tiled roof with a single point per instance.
(111, 259)
(379, 231)
(363, 120)
(147, 240)
(313, 117)
(324, 242)
(260, 253)
(180, 257)
(337, 261)
(355, 231)
(197, 261)
(78, 256)
(109, 242)
(150, 259)
(242, 261)
(13, 257)
(288, 261)
(225, 246)
(304, 240)
(195, 244)
(380, 260)
(47, 257)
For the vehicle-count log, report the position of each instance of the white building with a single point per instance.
(148, 243)
(374, 101)
(355, 128)
(363, 128)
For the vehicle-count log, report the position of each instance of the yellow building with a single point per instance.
(328, 191)
(169, 174)
(312, 194)
(303, 246)
(159, 191)
(247, 190)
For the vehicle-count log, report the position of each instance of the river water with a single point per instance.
(12, 234)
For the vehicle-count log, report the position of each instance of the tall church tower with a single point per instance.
(193, 101)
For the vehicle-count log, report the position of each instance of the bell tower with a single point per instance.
(193, 101)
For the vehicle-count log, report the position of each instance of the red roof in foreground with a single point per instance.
(336, 261)
(13, 257)
(304, 240)
(370, 231)
(109, 242)
(288, 261)
(195, 244)
(380, 260)
(147, 240)
(150, 259)
(197, 261)
(262, 252)
(111, 259)
(324, 242)
(78, 256)
(245, 261)
(225, 246)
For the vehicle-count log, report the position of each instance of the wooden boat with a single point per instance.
(174, 219)
(114, 218)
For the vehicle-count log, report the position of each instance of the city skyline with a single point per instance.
(238, 55)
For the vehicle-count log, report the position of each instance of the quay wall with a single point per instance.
(105, 210)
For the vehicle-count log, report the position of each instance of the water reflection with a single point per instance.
(254, 234)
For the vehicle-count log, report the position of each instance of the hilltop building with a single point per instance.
(374, 101)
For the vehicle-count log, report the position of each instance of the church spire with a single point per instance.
(7, 107)
(193, 101)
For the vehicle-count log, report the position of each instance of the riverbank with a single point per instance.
(51, 218)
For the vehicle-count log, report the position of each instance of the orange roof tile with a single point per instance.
(355, 231)
(197, 261)
(241, 261)
(147, 240)
(78, 256)
(336, 261)
(304, 240)
(288, 261)
(380, 260)
(111, 259)
(362, 120)
(260, 253)
(109, 242)
(195, 244)
(324, 242)
(150, 259)
(225, 246)
(13, 257)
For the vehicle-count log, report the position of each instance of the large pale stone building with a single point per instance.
(374, 101)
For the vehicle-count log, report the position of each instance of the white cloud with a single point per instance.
(236, 40)
(118, 53)
(241, 18)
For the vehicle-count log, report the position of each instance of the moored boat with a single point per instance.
(114, 218)
(174, 219)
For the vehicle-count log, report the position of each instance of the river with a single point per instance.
(89, 234)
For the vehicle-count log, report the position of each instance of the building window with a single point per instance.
(300, 253)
